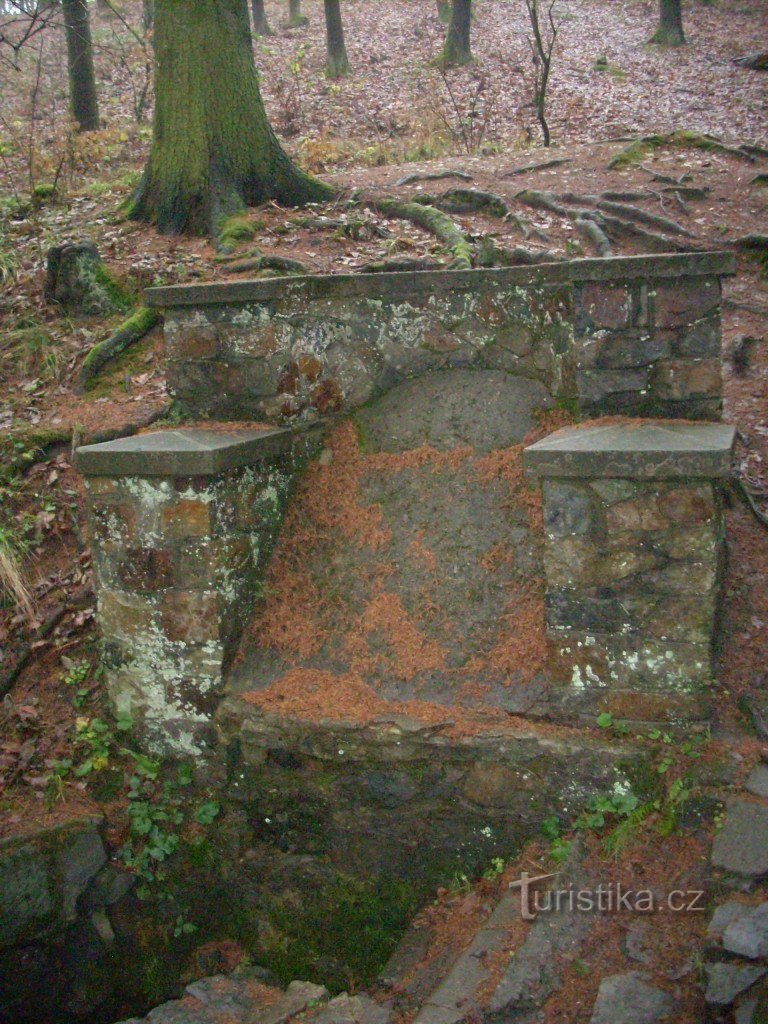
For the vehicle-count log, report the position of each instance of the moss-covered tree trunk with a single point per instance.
(295, 18)
(213, 150)
(83, 101)
(260, 23)
(336, 63)
(670, 30)
(456, 50)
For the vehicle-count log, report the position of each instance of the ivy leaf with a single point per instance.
(206, 812)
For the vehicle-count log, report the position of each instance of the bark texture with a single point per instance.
(213, 150)
(260, 23)
(295, 18)
(670, 30)
(457, 50)
(83, 101)
(336, 63)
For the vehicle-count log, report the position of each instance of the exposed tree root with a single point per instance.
(634, 213)
(541, 201)
(472, 200)
(491, 255)
(433, 221)
(645, 144)
(530, 168)
(617, 228)
(281, 263)
(132, 330)
(593, 233)
(395, 266)
(409, 179)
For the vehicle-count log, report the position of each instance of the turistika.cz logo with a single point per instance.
(606, 898)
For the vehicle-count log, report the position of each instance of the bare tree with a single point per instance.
(542, 46)
(457, 50)
(83, 100)
(670, 30)
(336, 62)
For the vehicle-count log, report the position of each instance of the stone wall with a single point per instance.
(634, 552)
(178, 551)
(631, 335)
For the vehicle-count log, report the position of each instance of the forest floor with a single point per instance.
(394, 116)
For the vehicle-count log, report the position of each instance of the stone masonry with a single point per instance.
(182, 523)
(634, 537)
(635, 335)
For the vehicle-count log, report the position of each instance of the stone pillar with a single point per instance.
(634, 549)
(181, 524)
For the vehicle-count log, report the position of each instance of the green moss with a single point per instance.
(118, 295)
(236, 229)
(43, 191)
(345, 933)
(127, 364)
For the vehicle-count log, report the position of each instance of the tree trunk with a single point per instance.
(670, 30)
(83, 101)
(260, 23)
(295, 18)
(456, 51)
(336, 63)
(213, 150)
(148, 15)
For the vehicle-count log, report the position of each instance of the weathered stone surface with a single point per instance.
(724, 915)
(757, 782)
(346, 1009)
(741, 846)
(247, 350)
(187, 452)
(486, 409)
(630, 999)
(43, 875)
(636, 450)
(679, 303)
(76, 278)
(727, 981)
(748, 935)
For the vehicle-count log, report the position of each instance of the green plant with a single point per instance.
(13, 585)
(495, 868)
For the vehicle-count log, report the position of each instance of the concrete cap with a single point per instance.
(663, 450)
(396, 284)
(185, 452)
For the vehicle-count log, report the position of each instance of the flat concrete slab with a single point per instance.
(185, 452)
(639, 449)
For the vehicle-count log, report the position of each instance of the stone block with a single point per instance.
(190, 616)
(606, 305)
(684, 301)
(125, 615)
(627, 350)
(689, 505)
(567, 508)
(113, 523)
(188, 517)
(194, 342)
(699, 340)
(146, 569)
(678, 379)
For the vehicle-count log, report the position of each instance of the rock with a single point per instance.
(748, 935)
(76, 279)
(757, 782)
(297, 998)
(638, 942)
(724, 915)
(745, 1012)
(629, 999)
(346, 1009)
(741, 847)
(726, 981)
(42, 877)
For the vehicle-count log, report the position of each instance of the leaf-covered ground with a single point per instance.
(393, 117)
